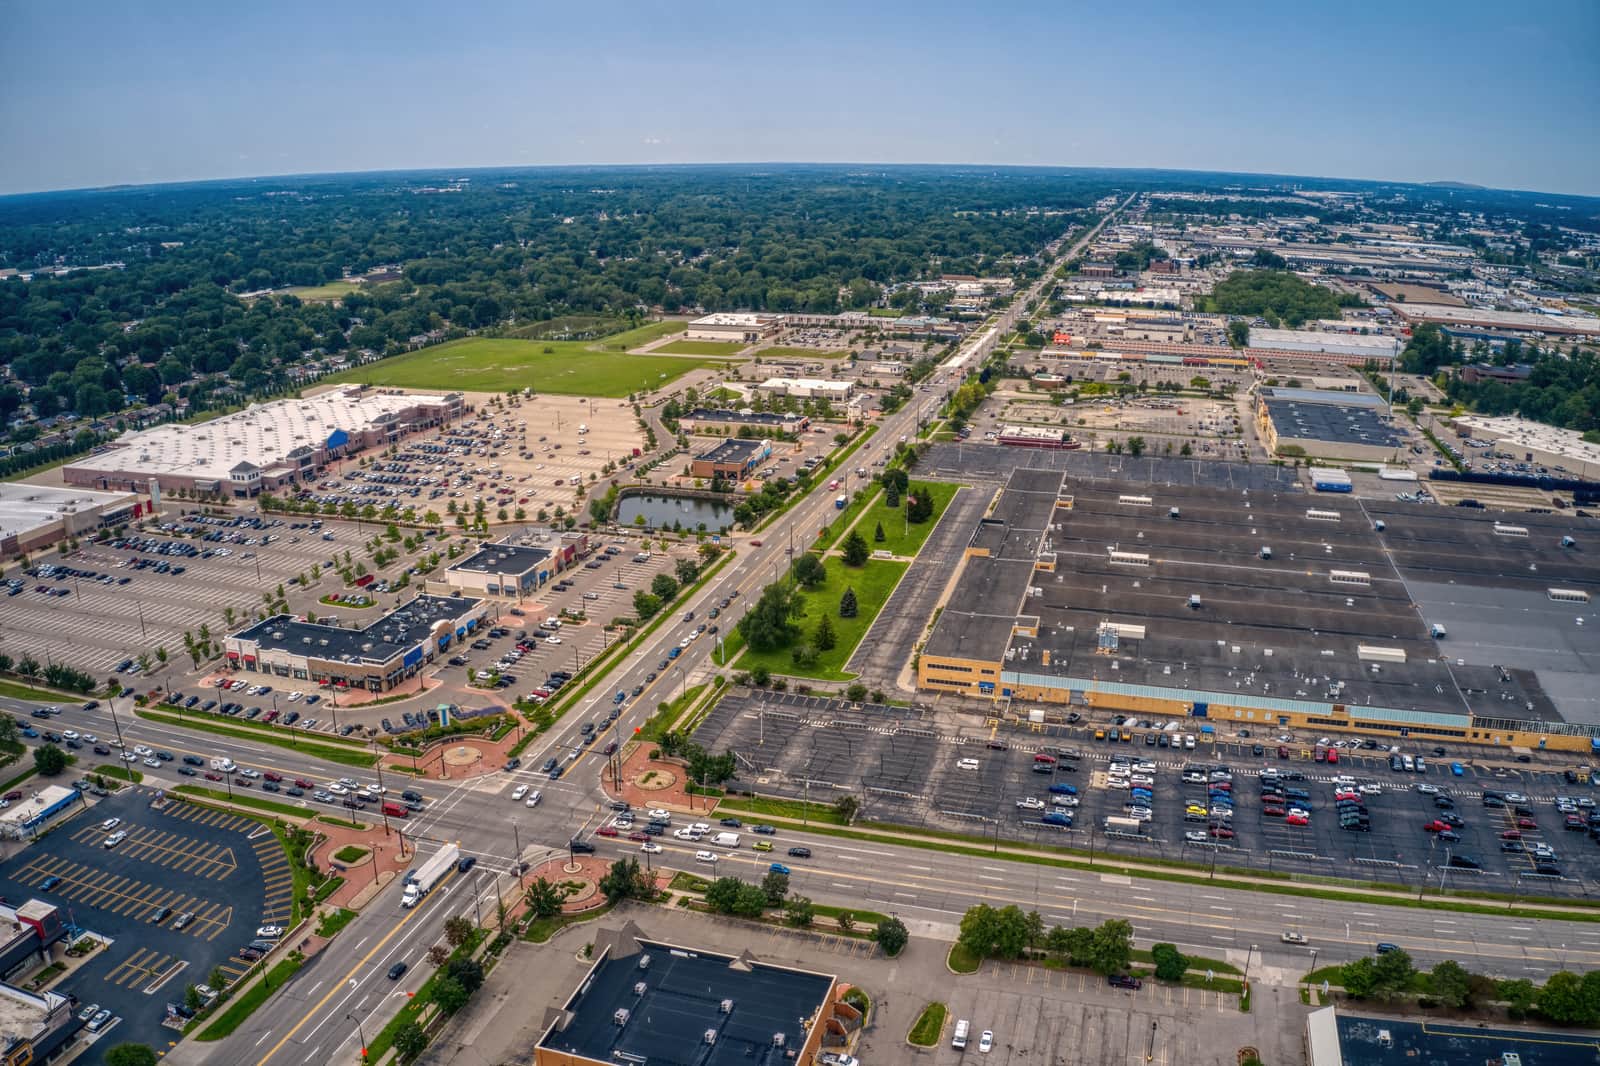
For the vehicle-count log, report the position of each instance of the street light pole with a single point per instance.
(360, 1035)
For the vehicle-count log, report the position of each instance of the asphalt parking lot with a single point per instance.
(99, 622)
(228, 872)
(905, 769)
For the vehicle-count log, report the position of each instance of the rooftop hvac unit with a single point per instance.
(1266, 552)
(726, 1007)
(711, 1036)
(1174, 513)
(1379, 526)
(639, 988)
(1504, 530)
(1317, 515)
(620, 1016)
(1375, 653)
(1194, 603)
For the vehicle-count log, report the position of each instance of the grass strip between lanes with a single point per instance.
(242, 1006)
(1382, 895)
(245, 800)
(329, 753)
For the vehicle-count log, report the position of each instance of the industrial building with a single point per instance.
(39, 516)
(1328, 425)
(731, 460)
(1356, 347)
(264, 448)
(646, 1001)
(1534, 442)
(1281, 609)
(1510, 323)
(376, 657)
(738, 327)
(744, 422)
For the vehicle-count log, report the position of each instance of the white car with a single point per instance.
(294, 697)
(552, 640)
(338, 789)
(1142, 779)
(659, 812)
(1516, 797)
(1064, 801)
(650, 847)
(90, 738)
(966, 764)
(534, 797)
(986, 1041)
(141, 751)
(153, 762)
(519, 792)
(116, 838)
(1428, 790)
(709, 857)
(686, 834)
(1143, 814)
(700, 827)
(129, 756)
(1196, 836)
(270, 932)
(110, 823)
(1371, 790)
(1031, 803)
(246, 771)
(70, 734)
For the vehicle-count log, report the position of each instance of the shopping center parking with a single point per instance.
(226, 872)
(905, 768)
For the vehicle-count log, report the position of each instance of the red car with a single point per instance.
(638, 838)
(1511, 834)
(1297, 819)
(1222, 832)
(606, 831)
(1045, 760)
(212, 775)
(270, 776)
(755, 544)
(1527, 823)
(301, 782)
(1272, 812)
(1434, 827)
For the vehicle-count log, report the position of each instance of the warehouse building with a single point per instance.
(1534, 442)
(737, 327)
(1507, 323)
(1327, 425)
(647, 1001)
(1275, 608)
(266, 447)
(744, 422)
(376, 657)
(807, 388)
(39, 516)
(503, 570)
(1356, 348)
(731, 460)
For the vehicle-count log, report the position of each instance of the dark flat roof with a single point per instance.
(1283, 628)
(1332, 423)
(503, 559)
(392, 634)
(1442, 1043)
(731, 451)
(684, 991)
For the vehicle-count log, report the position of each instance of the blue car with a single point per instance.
(1063, 790)
(1457, 769)
(778, 868)
(1057, 818)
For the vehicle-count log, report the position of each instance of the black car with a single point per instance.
(580, 847)
(466, 863)
(397, 971)
(513, 762)
(549, 764)
(1122, 980)
(800, 853)
(192, 760)
(101, 749)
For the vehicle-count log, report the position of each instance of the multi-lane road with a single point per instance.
(345, 990)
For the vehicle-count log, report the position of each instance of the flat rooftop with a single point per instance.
(732, 451)
(24, 1014)
(753, 418)
(1517, 432)
(1340, 613)
(501, 559)
(683, 997)
(1332, 422)
(262, 435)
(1531, 321)
(1440, 1042)
(25, 507)
(394, 633)
(1376, 345)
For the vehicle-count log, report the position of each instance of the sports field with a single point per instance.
(493, 364)
(702, 348)
(333, 290)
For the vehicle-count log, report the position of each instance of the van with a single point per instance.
(959, 1039)
(395, 810)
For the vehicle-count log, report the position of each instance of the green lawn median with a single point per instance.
(929, 1026)
(872, 582)
(240, 1008)
(244, 799)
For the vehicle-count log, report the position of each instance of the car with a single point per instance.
(838, 1058)
(161, 915)
(1030, 803)
(99, 1021)
(270, 932)
(110, 823)
(580, 847)
(88, 1012)
(518, 792)
(116, 838)
(397, 971)
(778, 868)
(1122, 980)
(799, 853)
(764, 830)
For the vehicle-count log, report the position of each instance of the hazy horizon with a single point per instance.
(99, 94)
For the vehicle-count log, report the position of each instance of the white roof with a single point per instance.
(24, 507)
(1522, 433)
(743, 319)
(261, 435)
(1473, 316)
(1322, 1038)
(1306, 340)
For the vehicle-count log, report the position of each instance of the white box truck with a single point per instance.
(429, 874)
(726, 840)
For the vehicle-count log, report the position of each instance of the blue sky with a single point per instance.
(1501, 94)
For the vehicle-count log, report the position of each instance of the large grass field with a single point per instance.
(650, 331)
(873, 583)
(485, 364)
(701, 348)
(898, 537)
(333, 290)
